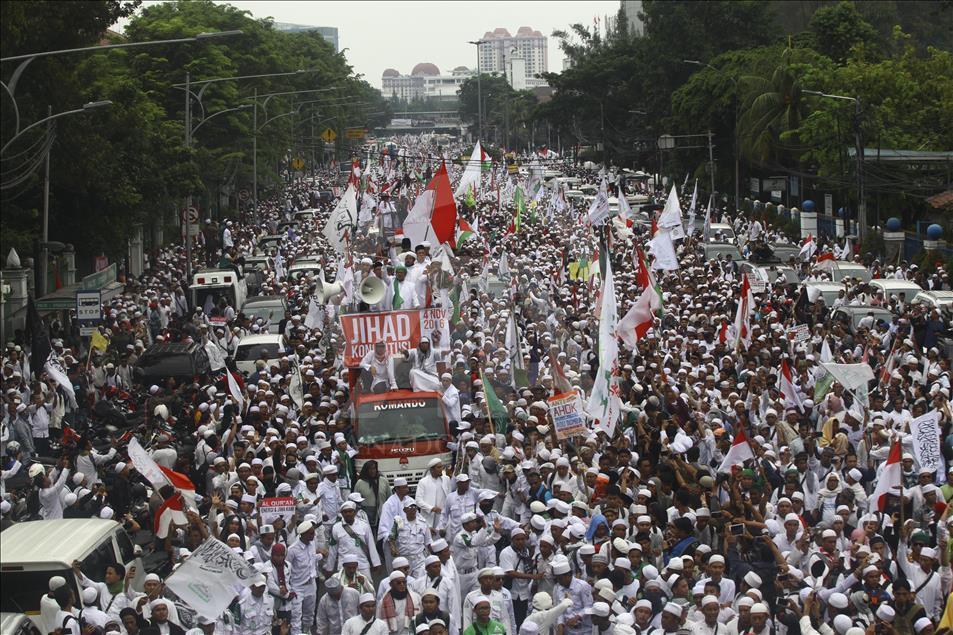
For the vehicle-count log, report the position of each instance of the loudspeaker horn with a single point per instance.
(372, 290)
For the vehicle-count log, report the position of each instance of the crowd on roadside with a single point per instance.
(641, 525)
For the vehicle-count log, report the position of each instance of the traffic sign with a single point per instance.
(329, 135)
(243, 195)
(355, 133)
(192, 221)
(297, 163)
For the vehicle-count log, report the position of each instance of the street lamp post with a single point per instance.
(48, 120)
(859, 150)
(477, 43)
(255, 128)
(11, 88)
(737, 144)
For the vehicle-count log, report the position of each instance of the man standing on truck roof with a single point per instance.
(423, 367)
(377, 370)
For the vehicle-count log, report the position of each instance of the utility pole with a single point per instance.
(711, 162)
(861, 194)
(44, 250)
(254, 158)
(188, 198)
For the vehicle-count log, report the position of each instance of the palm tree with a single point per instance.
(771, 113)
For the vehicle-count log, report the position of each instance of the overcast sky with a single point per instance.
(398, 35)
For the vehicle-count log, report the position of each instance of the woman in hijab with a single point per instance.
(374, 489)
(233, 527)
(598, 531)
(279, 584)
(827, 498)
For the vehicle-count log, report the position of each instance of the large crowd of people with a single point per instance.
(737, 490)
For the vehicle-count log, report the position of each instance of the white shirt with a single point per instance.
(356, 624)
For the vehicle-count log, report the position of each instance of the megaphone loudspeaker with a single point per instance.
(372, 290)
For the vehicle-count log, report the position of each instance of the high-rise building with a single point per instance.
(632, 10)
(329, 33)
(498, 48)
(424, 82)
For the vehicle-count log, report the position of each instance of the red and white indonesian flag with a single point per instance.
(889, 480)
(433, 217)
(808, 247)
(172, 510)
(739, 453)
(825, 261)
(791, 396)
(640, 318)
(743, 315)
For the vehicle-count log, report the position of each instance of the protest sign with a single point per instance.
(206, 580)
(566, 411)
(800, 333)
(925, 431)
(400, 330)
(272, 508)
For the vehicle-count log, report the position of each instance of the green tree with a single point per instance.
(837, 29)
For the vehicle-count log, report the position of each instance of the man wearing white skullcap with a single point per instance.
(365, 622)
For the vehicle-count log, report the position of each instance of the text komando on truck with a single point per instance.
(402, 430)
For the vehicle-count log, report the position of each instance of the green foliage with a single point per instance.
(838, 28)
(116, 166)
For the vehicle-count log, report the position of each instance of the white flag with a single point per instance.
(235, 391)
(342, 220)
(691, 210)
(671, 216)
(663, 249)
(144, 464)
(604, 404)
(472, 172)
(207, 579)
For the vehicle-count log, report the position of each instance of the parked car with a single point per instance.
(829, 291)
(270, 308)
(894, 287)
(942, 300)
(178, 360)
(17, 624)
(715, 251)
(251, 348)
(33, 552)
(851, 316)
(845, 269)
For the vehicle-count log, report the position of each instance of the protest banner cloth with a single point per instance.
(208, 578)
(925, 431)
(400, 330)
(566, 411)
(272, 508)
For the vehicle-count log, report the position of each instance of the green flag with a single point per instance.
(497, 411)
(519, 200)
(823, 386)
(398, 301)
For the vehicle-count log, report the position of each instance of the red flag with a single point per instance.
(723, 332)
(443, 219)
(642, 277)
(178, 480)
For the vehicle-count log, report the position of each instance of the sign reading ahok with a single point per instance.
(566, 411)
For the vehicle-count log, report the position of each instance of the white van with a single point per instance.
(33, 552)
(211, 285)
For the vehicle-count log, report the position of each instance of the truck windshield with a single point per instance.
(400, 421)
